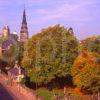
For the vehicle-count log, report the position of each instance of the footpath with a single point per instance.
(16, 90)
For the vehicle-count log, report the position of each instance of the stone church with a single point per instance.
(7, 38)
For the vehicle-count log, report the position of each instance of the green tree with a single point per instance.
(91, 44)
(10, 55)
(20, 52)
(86, 72)
(50, 54)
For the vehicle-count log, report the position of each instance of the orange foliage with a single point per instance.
(78, 91)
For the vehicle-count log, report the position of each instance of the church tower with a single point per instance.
(6, 31)
(24, 29)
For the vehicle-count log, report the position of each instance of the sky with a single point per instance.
(82, 15)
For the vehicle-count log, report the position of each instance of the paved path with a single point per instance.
(4, 94)
(9, 93)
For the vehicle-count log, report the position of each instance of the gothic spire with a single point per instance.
(24, 17)
(24, 29)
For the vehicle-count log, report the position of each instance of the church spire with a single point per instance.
(24, 17)
(24, 29)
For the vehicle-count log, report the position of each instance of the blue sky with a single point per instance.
(82, 15)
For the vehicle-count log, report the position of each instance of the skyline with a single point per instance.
(82, 16)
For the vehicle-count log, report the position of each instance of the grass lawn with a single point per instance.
(48, 95)
(44, 93)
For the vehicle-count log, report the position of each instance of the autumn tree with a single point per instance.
(86, 72)
(50, 54)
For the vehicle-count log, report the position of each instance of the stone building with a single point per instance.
(7, 39)
(17, 73)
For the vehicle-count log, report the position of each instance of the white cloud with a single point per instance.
(74, 11)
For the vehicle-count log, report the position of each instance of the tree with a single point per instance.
(91, 44)
(50, 54)
(86, 72)
(20, 52)
(10, 50)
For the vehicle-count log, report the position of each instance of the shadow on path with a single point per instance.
(4, 94)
